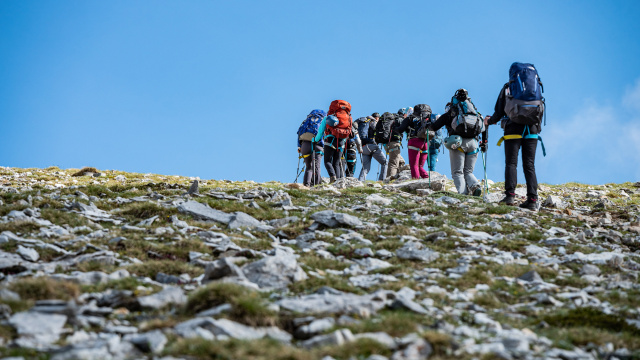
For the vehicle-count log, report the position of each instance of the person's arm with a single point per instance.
(442, 121)
(499, 108)
(321, 128)
(404, 125)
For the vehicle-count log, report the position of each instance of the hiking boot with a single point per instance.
(530, 204)
(509, 200)
(477, 190)
(332, 179)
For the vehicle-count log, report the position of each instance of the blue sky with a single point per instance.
(217, 89)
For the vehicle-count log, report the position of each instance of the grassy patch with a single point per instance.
(248, 306)
(43, 288)
(393, 322)
(359, 349)
(144, 210)
(313, 283)
(316, 262)
(171, 267)
(265, 349)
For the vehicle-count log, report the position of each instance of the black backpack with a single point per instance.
(384, 128)
(421, 122)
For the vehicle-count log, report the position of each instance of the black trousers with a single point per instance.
(351, 157)
(312, 163)
(511, 149)
(332, 157)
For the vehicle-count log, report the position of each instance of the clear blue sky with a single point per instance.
(217, 89)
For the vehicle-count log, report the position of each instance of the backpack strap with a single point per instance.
(528, 136)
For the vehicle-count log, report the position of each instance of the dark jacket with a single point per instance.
(445, 120)
(510, 128)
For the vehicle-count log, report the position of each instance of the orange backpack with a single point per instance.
(342, 110)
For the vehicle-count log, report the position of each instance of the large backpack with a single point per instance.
(309, 127)
(421, 122)
(363, 124)
(467, 121)
(384, 128)
(342, 111)
(524, 101)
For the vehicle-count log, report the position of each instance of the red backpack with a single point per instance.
(342, 110)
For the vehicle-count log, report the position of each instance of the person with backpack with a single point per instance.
(370, 149)
(464, 124)
(354, 147)
(520, 106)
(435, 144)
(336, 128)
(416, 126)
(310, 151)
(388, 135)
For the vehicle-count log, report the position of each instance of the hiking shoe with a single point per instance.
(477, 190)
(508, 200)
(332, 179)
(531, 204)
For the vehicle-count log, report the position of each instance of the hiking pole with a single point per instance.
(298, 169)
(313, 163)
(428, 158)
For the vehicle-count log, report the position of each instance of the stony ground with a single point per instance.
(114, 265)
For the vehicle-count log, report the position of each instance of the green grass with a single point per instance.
(393, 322)
(248, 306)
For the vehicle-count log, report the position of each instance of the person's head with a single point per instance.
(409, 110)
(402, 112)
(376, 115)
(461, 94)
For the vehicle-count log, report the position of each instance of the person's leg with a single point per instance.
(305, 150)
(433, 158)
(394, 158)
(339, 163)
(511, 149)
(414, 157)
(329, 154)
(352, 155)
(456, 158)
(380, 157)
(469, 166)
(529, 147)
(318, 173)
(424, 155)
(366, 162)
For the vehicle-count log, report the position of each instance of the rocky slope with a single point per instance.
(117, 265)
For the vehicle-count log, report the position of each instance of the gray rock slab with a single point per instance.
(332, 219)
(416, 251)
(221, 268)
(149, 342)
(201, 211)
(37, 330)
(333, 302)
(168, 296)
(28, 254)
(277, 271)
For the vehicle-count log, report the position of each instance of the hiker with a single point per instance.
(391, 140)
(414, 125)
(370, 149)
(354, 147)
(435, 143)
(520, 106)
(309, 150)
(336, 128)
(464, 125)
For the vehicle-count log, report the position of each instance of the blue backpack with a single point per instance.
(310, 124)
(524, 102)
(363, 130)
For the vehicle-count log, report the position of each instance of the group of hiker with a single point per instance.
(519, 108)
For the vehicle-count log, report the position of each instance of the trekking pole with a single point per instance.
(298, 170)
(485, 157)
(428, 158)
(313, 163)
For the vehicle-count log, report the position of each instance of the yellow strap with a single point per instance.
(509, 137)
(304, 156)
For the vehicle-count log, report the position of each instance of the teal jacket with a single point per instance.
(321, 129)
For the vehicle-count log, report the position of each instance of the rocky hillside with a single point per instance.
(111, 265)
